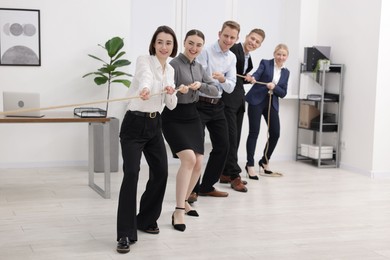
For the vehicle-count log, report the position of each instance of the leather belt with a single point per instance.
(213, 101)
(145, 114)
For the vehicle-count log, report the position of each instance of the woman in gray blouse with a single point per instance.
(182, 126)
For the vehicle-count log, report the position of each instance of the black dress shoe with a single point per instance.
(152, 229)
(123, 246)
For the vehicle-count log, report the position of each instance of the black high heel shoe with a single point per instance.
(180, 227)
(192, 212)
(250, 176)
(268, 172)
(265, 171)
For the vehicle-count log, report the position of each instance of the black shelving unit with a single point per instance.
(319, 123)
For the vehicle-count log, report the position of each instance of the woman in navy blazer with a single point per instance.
(275, 76)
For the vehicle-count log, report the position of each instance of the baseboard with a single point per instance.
(370, 174)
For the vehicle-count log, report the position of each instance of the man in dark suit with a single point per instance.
(235, 108)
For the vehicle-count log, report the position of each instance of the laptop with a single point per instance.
(14, 101)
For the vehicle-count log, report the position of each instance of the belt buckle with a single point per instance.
(212, 101)
(152, 114)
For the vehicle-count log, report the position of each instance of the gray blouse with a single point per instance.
(186, 73)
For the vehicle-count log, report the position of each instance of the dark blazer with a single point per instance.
(237, 97)
(259, 92)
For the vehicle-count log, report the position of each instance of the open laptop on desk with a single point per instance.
(14, 101)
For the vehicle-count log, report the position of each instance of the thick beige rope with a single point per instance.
(72, 105)
(258, 82)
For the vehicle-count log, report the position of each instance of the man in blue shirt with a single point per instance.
(220, 63)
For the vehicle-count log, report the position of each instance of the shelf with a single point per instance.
(325, 100)
(317, 130)
(319, 120)
(328, 98)
(333, 68)
(336, 68)
(323, 163)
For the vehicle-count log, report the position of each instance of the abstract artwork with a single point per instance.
(20, 37)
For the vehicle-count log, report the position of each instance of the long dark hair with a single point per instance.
(168, 30)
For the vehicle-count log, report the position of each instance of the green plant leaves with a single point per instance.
(109, 69)
(100, 80)
(123, 81)
(119, 55)
(96, 58)
(121, 63)
(108, 73)
(113, 46)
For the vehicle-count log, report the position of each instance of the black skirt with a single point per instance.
(182, 129)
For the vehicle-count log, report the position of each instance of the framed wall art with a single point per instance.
(20, 37)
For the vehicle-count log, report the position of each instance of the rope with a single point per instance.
(72, 105)
(268, 126)
(257, 82)
(278, 174)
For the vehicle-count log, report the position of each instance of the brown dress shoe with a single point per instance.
(237, 185)
(193, 197)
(214, 193)
(226, 179)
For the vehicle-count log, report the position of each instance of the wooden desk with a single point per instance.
(68, 117)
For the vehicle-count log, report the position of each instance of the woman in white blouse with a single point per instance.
(141, 133)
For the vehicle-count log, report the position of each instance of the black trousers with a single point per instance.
(213, 117)
(234, 118)
(141, 135)
(254, 115)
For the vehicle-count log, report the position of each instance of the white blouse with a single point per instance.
(150, 74)
(277, 73)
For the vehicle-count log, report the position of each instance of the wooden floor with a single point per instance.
(310, 213)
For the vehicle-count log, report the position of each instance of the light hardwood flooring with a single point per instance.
(309, 214)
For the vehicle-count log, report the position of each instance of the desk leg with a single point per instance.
(106, 192)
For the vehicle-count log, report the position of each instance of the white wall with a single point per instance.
(72, 29)
(358, 40)
(69, 31)
(355, 43)
(277, 18)
(381, 142)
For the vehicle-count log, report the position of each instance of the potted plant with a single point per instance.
(109, 72)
